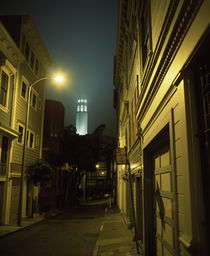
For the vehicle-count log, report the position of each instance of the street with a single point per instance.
(72, 233)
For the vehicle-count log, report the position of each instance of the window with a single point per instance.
(37, 67)
(21, 133)
(23, 43)
(27, 137)
(39, 103)
(27, 51)
(37, 140)
(33, 99)
(32, 60)
(145, 35)
(4, 88)
(23, 90)
(31, 140)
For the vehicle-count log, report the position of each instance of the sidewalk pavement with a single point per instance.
(115, 239)
(28, 221)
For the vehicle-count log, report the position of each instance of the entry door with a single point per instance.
(3, 156)
(1, 199)
(164, 200)
(139, 205)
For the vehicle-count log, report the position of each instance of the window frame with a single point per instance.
(36, 67)
(34, 93)
(23, 134)
(28, 139)
(32, 59)
(25, 81)
(33, 141)
(5, 107)
(27, 51)
(145, 34)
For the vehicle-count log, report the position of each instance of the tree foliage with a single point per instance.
(79, 151)
(40, 173)
(99, 129)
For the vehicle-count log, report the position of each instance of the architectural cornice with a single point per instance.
(182, 25)
(9, 47)
(34, 37)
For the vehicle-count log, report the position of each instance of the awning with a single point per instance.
(7, 131)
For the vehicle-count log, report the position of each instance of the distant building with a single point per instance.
(53, 196)
(82, 117)
(53, 126)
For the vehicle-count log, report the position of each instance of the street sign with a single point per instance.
(121, 157)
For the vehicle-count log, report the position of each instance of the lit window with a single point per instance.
(85, 108)
(4, 88)
(78, 101)
(81, 100)
(82, 108)
(77, 108)
(85, 101)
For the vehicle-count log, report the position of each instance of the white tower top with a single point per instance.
(82, 117)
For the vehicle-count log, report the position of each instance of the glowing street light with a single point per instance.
(58, 79)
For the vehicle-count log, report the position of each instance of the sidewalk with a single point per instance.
(11, 228)
(114, 237)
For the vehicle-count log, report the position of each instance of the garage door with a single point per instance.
(164, 201)
(14, 200)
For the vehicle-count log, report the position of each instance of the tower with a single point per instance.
(82, 117)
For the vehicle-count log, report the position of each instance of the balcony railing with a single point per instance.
(2, 169)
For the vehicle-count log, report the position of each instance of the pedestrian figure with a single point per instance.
(108, 204)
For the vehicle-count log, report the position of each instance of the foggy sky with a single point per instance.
(80, 36)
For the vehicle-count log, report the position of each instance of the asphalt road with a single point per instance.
(73, 233)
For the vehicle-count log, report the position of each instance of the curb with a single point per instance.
(14, 229)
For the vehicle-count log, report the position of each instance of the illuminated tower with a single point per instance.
(82, 117)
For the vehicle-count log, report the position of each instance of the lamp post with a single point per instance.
(58, 79)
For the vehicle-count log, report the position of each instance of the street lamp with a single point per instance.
(58, 79)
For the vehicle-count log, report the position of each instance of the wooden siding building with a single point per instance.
(33, 61)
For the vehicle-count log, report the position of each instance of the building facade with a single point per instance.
(161, 76)
(82, 117)
(10, 57)
(53, 196)
(33, 63)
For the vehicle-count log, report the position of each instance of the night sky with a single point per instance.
(80, 36)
